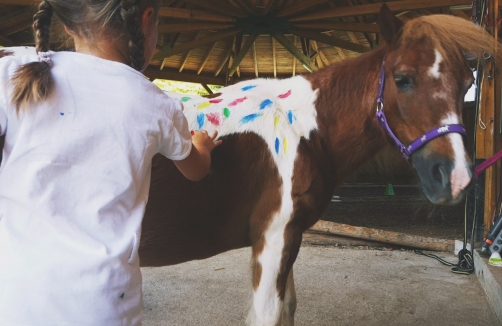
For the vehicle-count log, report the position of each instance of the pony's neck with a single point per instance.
(346, 109)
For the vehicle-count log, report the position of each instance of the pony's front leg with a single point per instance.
(274, 296)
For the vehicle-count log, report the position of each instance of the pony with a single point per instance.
(287, 144)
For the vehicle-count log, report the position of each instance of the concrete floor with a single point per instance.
(334, 287)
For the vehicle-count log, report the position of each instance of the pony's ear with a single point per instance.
(390, 25)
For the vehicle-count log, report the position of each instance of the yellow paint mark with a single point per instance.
(276, 122)
(204, 105)
(285, 145)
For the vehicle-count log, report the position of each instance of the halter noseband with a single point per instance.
(419, 142)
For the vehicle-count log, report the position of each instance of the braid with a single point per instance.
(41, 26)
(33, 82)
(136, 39)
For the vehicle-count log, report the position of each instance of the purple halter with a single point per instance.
(419, 142)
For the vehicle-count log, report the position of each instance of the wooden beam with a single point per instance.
(192, 14)
(5, 41)
(194, 44)
(186, 27)
(209, 90)
(18, 27)
(324, 58)
(270, 6)
(374, 8)
(220, 6)
(286, 43)
(222, 64)
(339, 26)
(20, 2)
(247, 6)
(154, 73)
(16, 14)
(187, 55)
(274, 58)
(340, 53)
(323, 38)
(247, 46)
(255, 59)
(206, 58)
(299, 7)
(294, 58)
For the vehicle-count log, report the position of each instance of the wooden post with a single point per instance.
(488, 132)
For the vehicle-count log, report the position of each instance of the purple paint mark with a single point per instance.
(277, 145)
(285, 95)
(201, 119)
(247, 88)
(250, 117)
(237, 101)
(61, 113)
(266, 104)
(216, 101)
(214, 118)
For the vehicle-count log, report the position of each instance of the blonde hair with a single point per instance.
(33, 82)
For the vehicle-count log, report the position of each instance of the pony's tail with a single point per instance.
(33, 82)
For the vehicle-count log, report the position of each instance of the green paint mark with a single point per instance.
(185, 99)
(226, 112)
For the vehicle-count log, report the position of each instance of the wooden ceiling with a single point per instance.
(224, 41)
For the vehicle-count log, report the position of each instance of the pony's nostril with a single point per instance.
(439, 174)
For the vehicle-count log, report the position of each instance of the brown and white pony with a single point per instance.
(288, 143)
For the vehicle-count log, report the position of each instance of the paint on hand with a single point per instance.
(237, 101)
(285, 145)
(226, 112)
(277, 145)
(250, 117)
(291, 117)
(185, 99)
(276, 121)
(204, 105)
(201, 119)
(265, 104)
(247, 88)
(285, 95)
(214, 118)
(216, 100)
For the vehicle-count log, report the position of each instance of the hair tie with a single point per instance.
(44, 57)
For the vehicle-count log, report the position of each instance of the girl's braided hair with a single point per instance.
(88, 19)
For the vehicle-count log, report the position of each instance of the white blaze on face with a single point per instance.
(460, 176)
(434, 70)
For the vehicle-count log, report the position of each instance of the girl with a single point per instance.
(81, 130)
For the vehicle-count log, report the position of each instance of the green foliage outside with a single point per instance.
(184, 88)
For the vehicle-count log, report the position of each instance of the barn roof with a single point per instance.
(223, 41)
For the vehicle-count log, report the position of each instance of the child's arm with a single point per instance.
(196, 165)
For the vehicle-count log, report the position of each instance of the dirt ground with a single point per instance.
(407, 211)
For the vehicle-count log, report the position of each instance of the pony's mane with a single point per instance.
(453, 36)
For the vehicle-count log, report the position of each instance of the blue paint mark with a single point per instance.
(291, 117)
(247, 88)
(201, 119)
(250, 117)
(61, 113)
(277, 145)
(265, 104)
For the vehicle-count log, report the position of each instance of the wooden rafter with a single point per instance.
(245, 48)
(206, 58)
(274, 58)
(199, 42)
(255, 59)
(220, 6)
(247, 6)
(286, 43)
(18, 27)
(192, 14)
(222, 63)
(374, 8)
(186, 27)
(270, 6)
(187, 55)
(16, 14)
(20, 2)
(209, 90)
(326, 26)
(5, 41)
(299, 7)
(237, 50)
(294, 58)
(323, 38)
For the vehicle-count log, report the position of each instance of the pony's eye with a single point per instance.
(402, 82)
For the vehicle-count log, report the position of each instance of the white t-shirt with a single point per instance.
(74, 183)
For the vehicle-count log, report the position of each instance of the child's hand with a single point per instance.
(202, 141)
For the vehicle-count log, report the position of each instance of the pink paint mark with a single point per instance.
(285, 95)
(237, 101)
(216, 101)
(214, 118)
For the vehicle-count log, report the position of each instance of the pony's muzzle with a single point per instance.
(440, 179)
